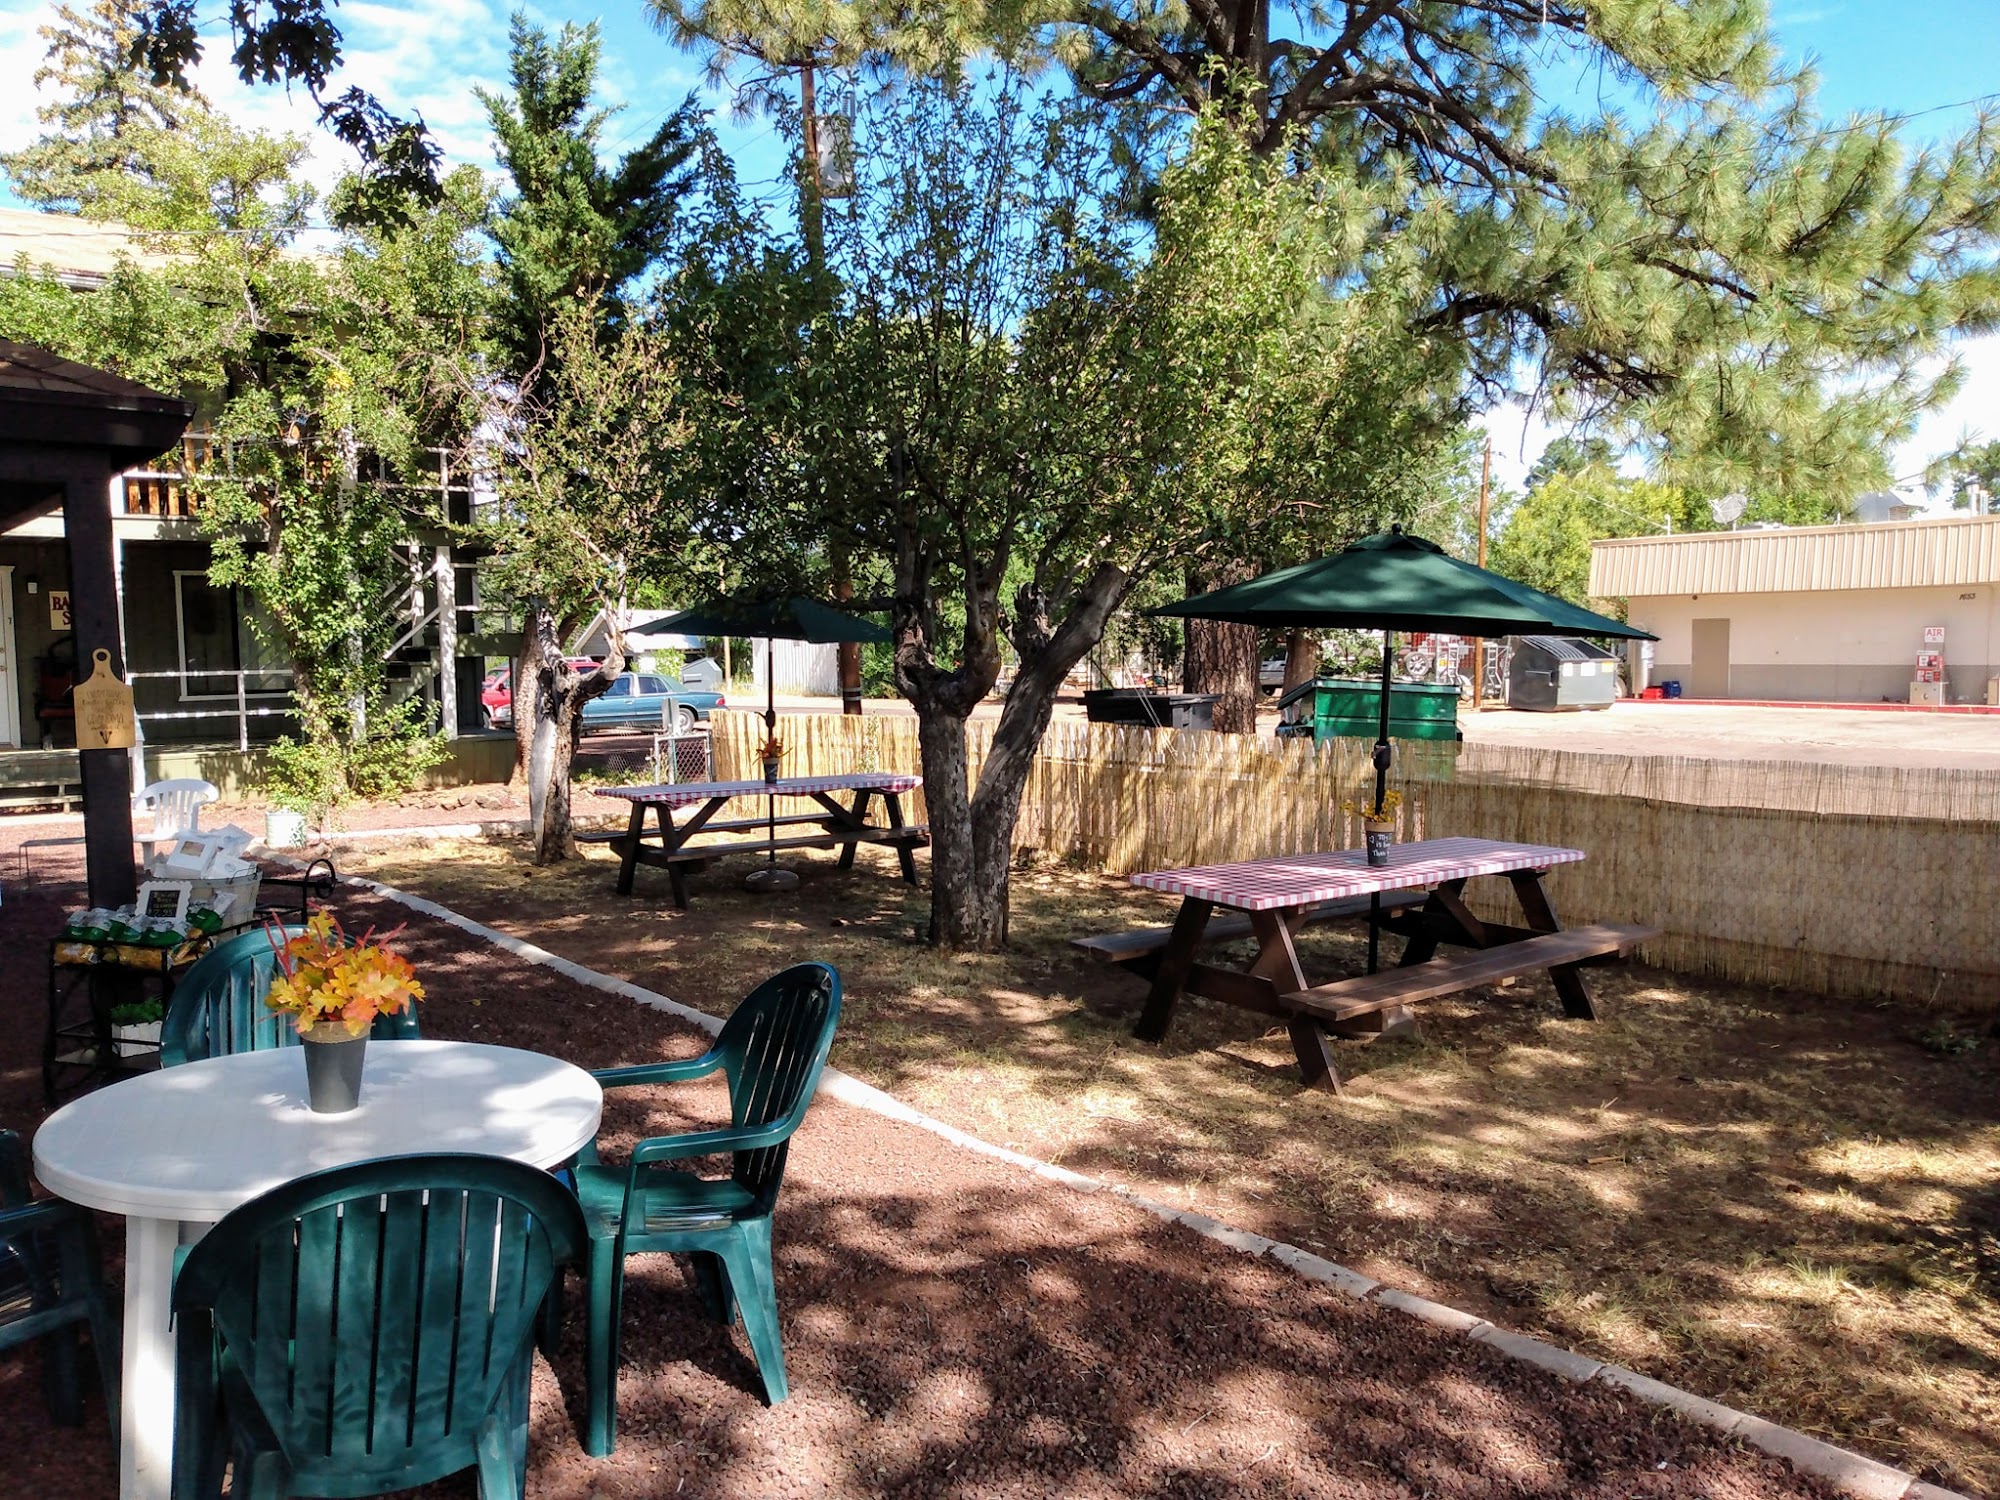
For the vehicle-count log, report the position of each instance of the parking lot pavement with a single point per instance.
(1825, 736)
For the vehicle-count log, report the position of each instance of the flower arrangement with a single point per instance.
(325, 978)
(774, 748)
(1365, 806)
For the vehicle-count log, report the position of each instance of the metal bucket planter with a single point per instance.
(1381, 836)
(333, 1068)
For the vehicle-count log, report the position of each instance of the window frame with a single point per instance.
(181, 672)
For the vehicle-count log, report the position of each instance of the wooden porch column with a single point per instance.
(93, 602)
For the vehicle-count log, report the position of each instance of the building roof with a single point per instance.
(81, 252)
(1956, 551)
(54, 413)
(28, 372)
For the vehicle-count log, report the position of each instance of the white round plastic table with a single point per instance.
(174, 1151)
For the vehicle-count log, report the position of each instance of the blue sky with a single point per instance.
(427, 54)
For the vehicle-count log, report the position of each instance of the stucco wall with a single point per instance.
(1856, 646)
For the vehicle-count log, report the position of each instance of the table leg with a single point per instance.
(635, 829)
(1315, 1057)
(856, 818)
(1444, 904)
(1175, 960)
(146, 1423)
(676, 874)
(905, 855)
(1541, 915)
(1277, 959)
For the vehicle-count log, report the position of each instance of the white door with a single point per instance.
(10, 706)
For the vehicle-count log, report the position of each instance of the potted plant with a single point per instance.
(1378, 822)
(772, 752)
(305, 781)
(333, 987)
(135, 1027)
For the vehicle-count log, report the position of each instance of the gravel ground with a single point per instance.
(956, 1328)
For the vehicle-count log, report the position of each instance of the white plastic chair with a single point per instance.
(176, 808)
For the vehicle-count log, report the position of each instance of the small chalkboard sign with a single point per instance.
(164, 898)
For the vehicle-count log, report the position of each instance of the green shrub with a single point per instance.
(318, 774)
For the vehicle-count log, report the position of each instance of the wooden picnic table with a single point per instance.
(1419, 894)
(839, 827)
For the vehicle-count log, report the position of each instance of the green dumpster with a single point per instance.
(1329, 706)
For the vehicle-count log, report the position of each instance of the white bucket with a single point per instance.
(284, 829)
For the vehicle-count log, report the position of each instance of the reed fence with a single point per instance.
(1858, 881)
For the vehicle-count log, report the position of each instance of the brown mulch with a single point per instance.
(957, 1328)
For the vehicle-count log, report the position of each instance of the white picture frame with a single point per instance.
(188, 857)
(164, 898)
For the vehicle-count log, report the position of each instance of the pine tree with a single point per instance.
(572, 226)
(96, 129)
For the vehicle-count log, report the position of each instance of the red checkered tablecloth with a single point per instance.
(1308, 879)
(687, 793)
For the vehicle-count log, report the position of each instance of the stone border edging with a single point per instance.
(1854, 1474)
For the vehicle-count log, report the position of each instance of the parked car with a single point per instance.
(638, 700)
(1271, 674)
(496, 694)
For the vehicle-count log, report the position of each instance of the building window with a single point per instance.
(223, 631)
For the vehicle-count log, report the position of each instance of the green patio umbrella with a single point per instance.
(788, 618)
(1395, 581)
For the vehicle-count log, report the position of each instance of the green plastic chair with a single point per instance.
(772, 1050)
(367, 1329)
(49, 1284)
(218, 1006)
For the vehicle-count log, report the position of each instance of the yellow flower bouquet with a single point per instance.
(1364, 806)
(326, 979)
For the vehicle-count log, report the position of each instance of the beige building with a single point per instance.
(1814, 613)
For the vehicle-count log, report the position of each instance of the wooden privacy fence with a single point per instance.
(1849, 880)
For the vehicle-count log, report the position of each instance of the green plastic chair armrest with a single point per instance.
(660, 1072)
(709, 1143)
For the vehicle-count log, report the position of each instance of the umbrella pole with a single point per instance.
(770, 733)
(1382, 754)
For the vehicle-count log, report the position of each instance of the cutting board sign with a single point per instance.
(104, 709)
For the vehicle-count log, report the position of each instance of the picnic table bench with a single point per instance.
(1419, 894)
(838, 827)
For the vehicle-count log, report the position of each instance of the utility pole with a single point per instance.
(1479, 645)
(812, 204)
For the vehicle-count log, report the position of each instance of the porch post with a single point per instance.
(447, 679)
(94, 615)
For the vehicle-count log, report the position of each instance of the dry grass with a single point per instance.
(1781, 1201)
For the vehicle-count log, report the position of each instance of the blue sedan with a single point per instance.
(639, 700)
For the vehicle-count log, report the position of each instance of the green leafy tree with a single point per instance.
(322, 377)
(1545, 539)
(100, 116)
(1010, 401)
(295, 43)
(572, 227)
(1755, 297)
(593, 496)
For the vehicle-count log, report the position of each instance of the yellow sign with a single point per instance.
(59, 610)
(104, 709)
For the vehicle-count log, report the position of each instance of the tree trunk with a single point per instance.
(1301, 659)
(972, 829)
(1222, 658)
(548, 719)
(964, 912)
